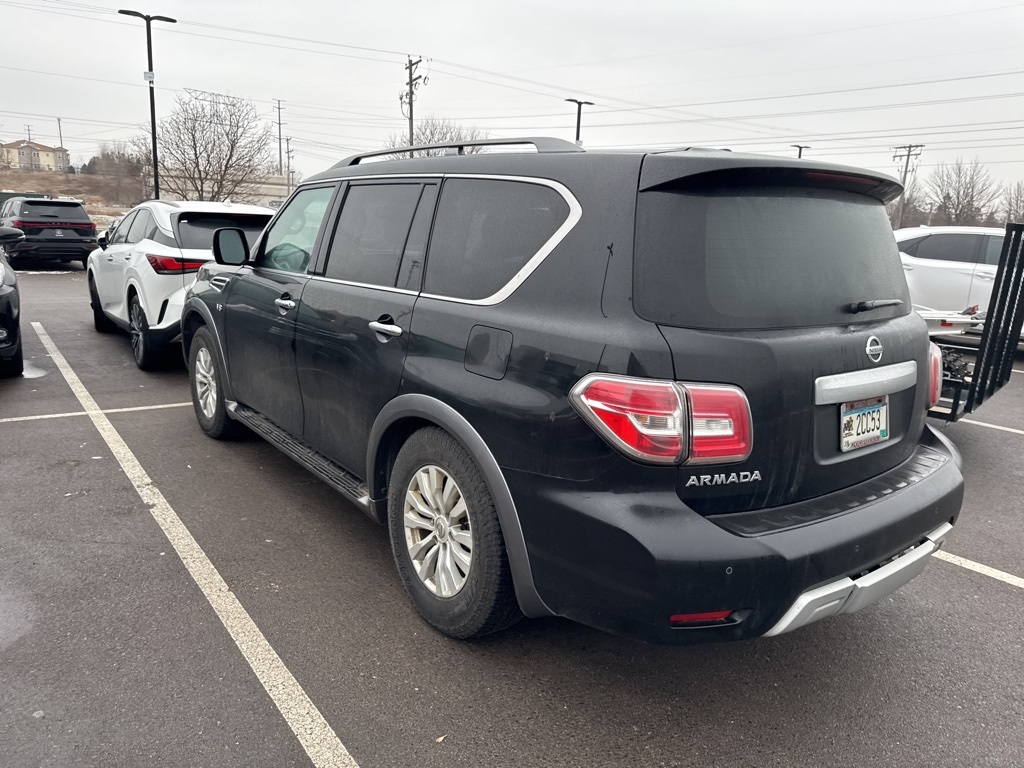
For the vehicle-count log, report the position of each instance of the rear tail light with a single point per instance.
(934, 374)
(720, 428)
(665, 422)
(172, 265)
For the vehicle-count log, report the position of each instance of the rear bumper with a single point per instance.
(624, 562)
(73, 249)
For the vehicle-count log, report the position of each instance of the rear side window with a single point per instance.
(909, 247)
(195, 230)
(948, 248)
(757, 258)
(371, 233)
(993, 249)
(48, 209)
(485, 231)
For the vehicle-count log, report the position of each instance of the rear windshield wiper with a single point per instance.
(867, 306)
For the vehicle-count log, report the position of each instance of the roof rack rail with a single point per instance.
(163, 202)
(542, 144)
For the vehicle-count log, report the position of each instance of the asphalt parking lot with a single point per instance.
(297, 646)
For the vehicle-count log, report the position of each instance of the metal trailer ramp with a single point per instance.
(999, 338)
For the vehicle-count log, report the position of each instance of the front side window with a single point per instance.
(485, 231)
(121, 233)
(372, 229)
(289, 241)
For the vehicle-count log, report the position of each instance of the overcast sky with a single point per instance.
(850, 79)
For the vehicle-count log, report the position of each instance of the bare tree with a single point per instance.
(914, 205)
(212, 147)
(961, 192)
(437, 130)
(1013, 202)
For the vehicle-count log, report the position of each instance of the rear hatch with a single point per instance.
(56, 222)
(753, 275)
(193, 233)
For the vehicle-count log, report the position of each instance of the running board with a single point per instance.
(339, 479)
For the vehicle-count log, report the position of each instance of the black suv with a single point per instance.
(58, 230)
(678, 396)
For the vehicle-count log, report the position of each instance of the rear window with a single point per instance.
(195, 230)
(52, 210)
(758, 258)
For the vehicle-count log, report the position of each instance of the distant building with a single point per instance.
(32, 156)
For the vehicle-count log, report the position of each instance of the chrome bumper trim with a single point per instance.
(848, 595)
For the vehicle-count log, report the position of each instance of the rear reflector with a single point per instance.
(170, 265)
(665, 422)
(934, 374)
(708, 618)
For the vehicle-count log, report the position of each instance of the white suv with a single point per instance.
(138, 275)
(950, 268)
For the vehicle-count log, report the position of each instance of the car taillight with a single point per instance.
(934, 374)
(665, 422)
(720, 428)
(171, 265)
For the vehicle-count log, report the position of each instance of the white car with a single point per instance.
(950, 268)
(138, 275)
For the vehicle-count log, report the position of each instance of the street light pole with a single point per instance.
(799, 149)
(152, 87)
(579, 114)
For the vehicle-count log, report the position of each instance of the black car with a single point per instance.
(11, 361)
(678, 396)
(55, 230)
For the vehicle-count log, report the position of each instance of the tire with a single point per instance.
(13, 366)
(101, 322)
(205, 377)
(145, 352)
(473, 595)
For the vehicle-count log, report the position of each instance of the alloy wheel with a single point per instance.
(438, 532)
(206, 382)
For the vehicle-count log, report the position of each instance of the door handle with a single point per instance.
(285, 303)
(386, 328)
(984, 275)
(907, 268)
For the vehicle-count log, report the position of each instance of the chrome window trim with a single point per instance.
(388, 288)
(575, 214)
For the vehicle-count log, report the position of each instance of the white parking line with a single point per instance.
(314, 733)
(85, 413)
(970, 565)
(993, 426)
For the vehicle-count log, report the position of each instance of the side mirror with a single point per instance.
(10, 236)
(101, 241)
(229, 247)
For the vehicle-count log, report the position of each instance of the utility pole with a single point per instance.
(288, 154)
(28, 129)
(280, 170)
(579, 116)
(407, 97)
(800, 149)
(905, 152)
(60, 135)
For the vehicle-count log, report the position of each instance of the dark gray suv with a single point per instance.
(678, 396)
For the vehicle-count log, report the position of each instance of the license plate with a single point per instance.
(863, 423)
